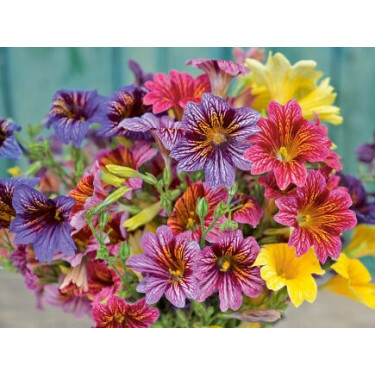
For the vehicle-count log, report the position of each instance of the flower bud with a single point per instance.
(143, 217)
(111, 179)
(112, 198)
(202, 208)
(124, 172)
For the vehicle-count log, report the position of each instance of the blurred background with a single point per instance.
(30, 76)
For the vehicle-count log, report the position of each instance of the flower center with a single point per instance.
(3, 137)
(58, 216)
(304, 220)
(191, 221)
(283, 155)
(119, 318)
(225, 264)
(177, 274)
(218, 138)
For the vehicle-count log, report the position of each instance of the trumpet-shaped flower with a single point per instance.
(285, 143)
(362, 242)
(175, 91)
(72, 112)
(9, 147)
(118, 313)
(280, 81)
(353, 281)
(220, 72)
(318, 215)
(227, 266)
(7, 186)
(215, 139)
(184, 216)
(42, 222)
(122, 104)
(281, 267)
(169, 264)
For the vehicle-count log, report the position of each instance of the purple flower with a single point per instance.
(122, 104)
(72, 112)
(9, 147)
(169, 264)
(227, 266)
(220, 73)
(215, 139)
(163, 128)
(42, 222)
(364, 210)
(366, 152)
(7, 186)
(140, 77)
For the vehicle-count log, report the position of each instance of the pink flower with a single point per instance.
(249, 213)
(227, 266)
(285, 143)
(118, 313)
(175, 91)
(318, 215)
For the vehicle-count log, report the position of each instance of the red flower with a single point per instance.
(249, 213)
(117, 313)
(184, 216)
(318, 215)
(285, 143)
(175, 91)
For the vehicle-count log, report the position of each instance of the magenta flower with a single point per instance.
(249, 213)
(220, 72)
(118, 313)
(318, 217)
(175, 91)
(72, 112)
(123, 104)
(215, 139)
(227, 266)
(169, 264)
(9, 147)
(42, 222)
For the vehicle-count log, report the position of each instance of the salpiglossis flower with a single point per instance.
(184, 216)
(42, 222)
(352, 280)
(281, 267)
(169, 264)
(72, 112)
(7, 186)
(280, 81)
(318, 217)
(285, 143)
(227, 266)
(9, 147)
(118, 313)
(122, 104)
(249, 210)
(220, 72)
(175, 91)
(215, 139)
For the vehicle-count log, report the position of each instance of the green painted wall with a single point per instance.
(30, 76)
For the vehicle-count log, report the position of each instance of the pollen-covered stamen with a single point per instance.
(218, 138)
(225, 264)
(177, 274)
(285, 154)
(304, 220)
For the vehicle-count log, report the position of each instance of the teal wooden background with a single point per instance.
(30, 76)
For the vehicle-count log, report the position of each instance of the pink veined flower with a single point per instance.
(220, 72)
(175, 91)
(169, 264)
(318, 215)
(249, 213)
(285, 143)
(118, 313)
(227, 266)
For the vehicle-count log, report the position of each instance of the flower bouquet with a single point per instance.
(214, 201)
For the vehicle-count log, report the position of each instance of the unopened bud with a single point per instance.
(112, 198)
(202, 207)
(120, 171)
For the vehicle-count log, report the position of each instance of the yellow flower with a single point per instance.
(282, 267)
(278, 80)
(363, 241)
(353, 281)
